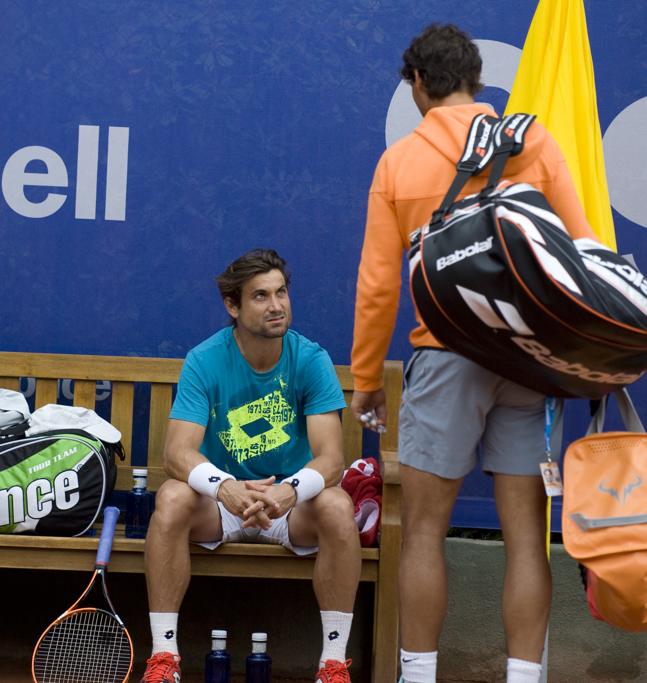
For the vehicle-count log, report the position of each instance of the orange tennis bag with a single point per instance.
(604, 519)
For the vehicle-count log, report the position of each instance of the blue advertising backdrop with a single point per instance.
(145, 145)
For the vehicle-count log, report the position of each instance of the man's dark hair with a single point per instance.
(446, 59)
(230, 282)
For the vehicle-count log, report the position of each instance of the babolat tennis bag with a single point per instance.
(497, 278)
(54, 483)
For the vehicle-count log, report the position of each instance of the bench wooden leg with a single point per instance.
(385, 629)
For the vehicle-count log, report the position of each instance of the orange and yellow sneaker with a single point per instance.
(334, 672)
(162, 667)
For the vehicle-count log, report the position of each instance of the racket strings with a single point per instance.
(86, 646)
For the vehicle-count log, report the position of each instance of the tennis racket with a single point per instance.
(87, 644)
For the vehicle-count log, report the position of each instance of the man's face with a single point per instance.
(264, 309)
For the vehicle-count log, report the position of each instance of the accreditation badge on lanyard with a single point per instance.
(550, 469)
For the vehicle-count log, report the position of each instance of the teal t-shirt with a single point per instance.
(256, 421)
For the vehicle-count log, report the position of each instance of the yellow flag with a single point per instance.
(555, 81)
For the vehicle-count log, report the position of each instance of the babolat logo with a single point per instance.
(487, 127)
(460, 254)
(630, 274)
(543, 355)
(38, 498)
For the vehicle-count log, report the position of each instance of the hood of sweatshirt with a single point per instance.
(445, 128)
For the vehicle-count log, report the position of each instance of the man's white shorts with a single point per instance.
(277, 534)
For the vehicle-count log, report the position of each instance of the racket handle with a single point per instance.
(110, 517)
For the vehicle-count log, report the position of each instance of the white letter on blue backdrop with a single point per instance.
(117, 173)
(15, 178)
(87, 163)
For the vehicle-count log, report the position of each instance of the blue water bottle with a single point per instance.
(139, 505)
(217, 664)
(258, 666)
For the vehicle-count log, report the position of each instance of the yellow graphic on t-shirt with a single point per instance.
(271, 413)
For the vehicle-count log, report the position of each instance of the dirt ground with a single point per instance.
(20, 672)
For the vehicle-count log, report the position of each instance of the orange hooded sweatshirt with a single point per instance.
(411, 179)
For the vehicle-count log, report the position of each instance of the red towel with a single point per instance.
(363, 483)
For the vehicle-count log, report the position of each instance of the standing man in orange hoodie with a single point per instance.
(450, 405)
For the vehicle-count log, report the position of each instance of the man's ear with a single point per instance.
(419, 93)
(231, 307)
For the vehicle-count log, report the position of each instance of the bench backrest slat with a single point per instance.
(352, 429)
(72, 366)
(160, 374)
(393, 391)
(46, 391)
(160, 406)
(12, 383)
(85, 392)
(121, 414)
(352, 435)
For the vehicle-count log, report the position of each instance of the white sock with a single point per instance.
(336, 629)
(418, 667)
(164, 631)
(521, 671)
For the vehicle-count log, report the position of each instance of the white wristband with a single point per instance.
(206, 478)
(307, 483)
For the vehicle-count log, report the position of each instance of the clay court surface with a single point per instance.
(20, 673)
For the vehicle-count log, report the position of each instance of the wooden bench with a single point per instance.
(126, 374)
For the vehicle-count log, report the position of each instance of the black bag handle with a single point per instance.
(18, 429)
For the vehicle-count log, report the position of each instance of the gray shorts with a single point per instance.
(455, 411)
(277, 534)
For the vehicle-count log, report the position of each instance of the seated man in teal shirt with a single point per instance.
(254, 452)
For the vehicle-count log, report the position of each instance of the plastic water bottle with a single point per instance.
(139, 505)
(258, 666)
(217, 664)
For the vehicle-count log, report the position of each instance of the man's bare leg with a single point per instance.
(180, 514)
(327, 521)
(427, 502)
(521, 504)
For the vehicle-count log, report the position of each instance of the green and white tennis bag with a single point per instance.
(54, 483)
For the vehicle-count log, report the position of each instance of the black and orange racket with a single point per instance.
(87, 644)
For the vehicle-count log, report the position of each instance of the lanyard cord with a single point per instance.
(549, 411)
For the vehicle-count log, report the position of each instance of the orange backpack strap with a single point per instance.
(627, 410)
(632, 424)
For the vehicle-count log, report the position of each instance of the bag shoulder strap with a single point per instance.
(477, 154)
(509, 139)
(488, 138)
(627, 410)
